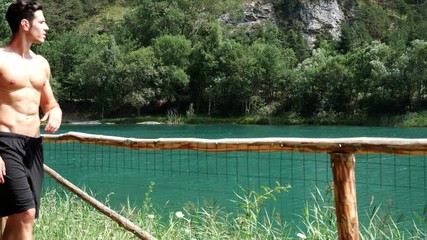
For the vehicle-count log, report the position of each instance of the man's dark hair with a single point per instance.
(21, 9)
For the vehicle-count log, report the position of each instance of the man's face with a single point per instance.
(38, 28)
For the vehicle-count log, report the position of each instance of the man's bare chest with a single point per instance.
(18, 75)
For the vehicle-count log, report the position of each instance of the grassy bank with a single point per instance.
(407, 120)
(63, 216)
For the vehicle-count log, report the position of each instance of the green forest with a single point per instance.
(126, 58)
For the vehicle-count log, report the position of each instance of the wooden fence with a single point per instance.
(341, 150)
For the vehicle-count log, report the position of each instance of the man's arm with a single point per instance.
(50, 107)
(2, 170)
(2, 164)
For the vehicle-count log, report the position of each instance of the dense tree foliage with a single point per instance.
(173, 54)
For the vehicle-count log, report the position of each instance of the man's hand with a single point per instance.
(54, 119)
(2, 170)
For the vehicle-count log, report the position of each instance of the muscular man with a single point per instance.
(24, 89)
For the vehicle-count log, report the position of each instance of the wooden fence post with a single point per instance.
(345, 195)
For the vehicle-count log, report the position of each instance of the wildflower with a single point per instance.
(301, 236)
(179, 214)
(150, 216)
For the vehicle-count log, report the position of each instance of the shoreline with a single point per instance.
(408, 120)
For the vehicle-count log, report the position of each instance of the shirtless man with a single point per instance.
(24, 89)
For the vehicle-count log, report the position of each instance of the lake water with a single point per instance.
(397, 183)
(244, 131)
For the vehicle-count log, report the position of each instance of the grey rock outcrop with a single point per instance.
(259, 11)
(318, 16)
(254, 13)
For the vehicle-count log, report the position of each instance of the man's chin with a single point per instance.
(40, 41)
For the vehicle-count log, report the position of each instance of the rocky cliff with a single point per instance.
(319, 17)
(316, 16)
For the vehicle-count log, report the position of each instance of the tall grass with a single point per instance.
(64, 216)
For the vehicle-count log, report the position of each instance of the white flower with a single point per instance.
(150, 216)
(179, 214)
(301, 236)
(187, 231)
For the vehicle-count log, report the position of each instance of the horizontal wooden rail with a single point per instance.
(328, 145)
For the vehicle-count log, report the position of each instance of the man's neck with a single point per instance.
(20, 45)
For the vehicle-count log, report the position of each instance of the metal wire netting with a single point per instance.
(397, 183)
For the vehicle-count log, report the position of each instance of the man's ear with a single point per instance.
(25, 24)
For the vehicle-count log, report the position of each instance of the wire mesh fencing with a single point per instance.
(119, 170)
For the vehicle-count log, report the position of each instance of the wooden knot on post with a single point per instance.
(345, 195)
(128, 142)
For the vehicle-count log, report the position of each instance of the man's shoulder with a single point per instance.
(3, 55)
(3, 51)
(39, 58)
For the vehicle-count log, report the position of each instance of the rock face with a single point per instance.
(318, 16)
(255, 13)
(259, 11)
